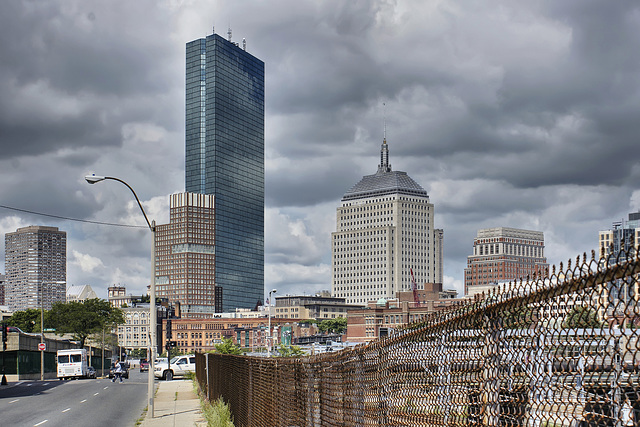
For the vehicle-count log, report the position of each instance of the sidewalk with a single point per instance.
(175, 404)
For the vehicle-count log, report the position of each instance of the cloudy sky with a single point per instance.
(509, 113)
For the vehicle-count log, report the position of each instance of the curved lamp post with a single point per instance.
(92, 179)
(270, 335)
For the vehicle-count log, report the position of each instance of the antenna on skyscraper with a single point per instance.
(384, 122)
(213, 29)
(229, 33)
(244, 43)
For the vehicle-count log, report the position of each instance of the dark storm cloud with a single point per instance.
(510, 113)
(69, 77)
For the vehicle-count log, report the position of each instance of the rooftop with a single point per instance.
(385, 181)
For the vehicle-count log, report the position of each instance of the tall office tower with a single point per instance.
(225, 157)
(384, 230)
(186, 256)
(505, 254)
(36, 267)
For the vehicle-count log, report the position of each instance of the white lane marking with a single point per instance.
(68, 409)
(95, 394)
(106, 388)
(40, 423)
(82, 401)
(14, 401)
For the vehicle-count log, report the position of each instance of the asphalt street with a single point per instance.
(85, 402)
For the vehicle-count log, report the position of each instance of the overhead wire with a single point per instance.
(72, 219)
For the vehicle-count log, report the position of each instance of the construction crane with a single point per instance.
(414, 288)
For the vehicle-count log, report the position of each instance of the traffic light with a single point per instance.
(168, 329)
(171, 344)
(5, 330)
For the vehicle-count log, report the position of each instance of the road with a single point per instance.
(74, 403)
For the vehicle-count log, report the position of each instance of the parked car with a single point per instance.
(144, 365)
(177, 367)
(125, 370)
(91, 372)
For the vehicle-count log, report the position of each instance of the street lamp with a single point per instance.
(270, 335)
(92, 179)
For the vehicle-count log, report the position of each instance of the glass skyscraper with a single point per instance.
(225, 158)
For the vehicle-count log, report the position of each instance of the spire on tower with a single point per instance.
(384, 122)
(384, 165)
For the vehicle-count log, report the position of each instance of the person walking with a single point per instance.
(117, 372)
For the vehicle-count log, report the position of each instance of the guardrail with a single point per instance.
(554, 351)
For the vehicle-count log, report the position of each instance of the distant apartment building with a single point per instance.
(384, 231)
(620, 297)
(1, 289)
(623, 236)
(186, 256)
(36, 267)
(80, 293)
(320, 307)
(505, 254)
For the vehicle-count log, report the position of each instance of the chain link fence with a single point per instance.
(554, 351)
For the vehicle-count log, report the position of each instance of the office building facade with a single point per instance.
(621, 238)
(186, 256)
(225, 158)
(619, 298)
(36, 267)
(505, 254)
(384, 230)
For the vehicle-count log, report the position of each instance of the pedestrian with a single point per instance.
(117, 371)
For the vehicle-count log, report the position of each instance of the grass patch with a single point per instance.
(216, 414)
(142, 417)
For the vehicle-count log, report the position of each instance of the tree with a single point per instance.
(227, 346)
(27, 320)
(582, 317)
(518, 317)
(138, 353)
(336, 326)
(290, 351)
(81, 319)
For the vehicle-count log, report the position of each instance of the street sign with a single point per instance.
(49, 329)
(42, 346)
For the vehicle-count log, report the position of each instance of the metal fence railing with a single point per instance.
(554, 351)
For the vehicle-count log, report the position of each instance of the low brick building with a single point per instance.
(380, 318)
(193, 335)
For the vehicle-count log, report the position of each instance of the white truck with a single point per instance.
(73, 363)
(179, 366)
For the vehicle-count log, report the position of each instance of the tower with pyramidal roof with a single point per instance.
(384, 230)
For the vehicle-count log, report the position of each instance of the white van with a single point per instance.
(73, 363)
